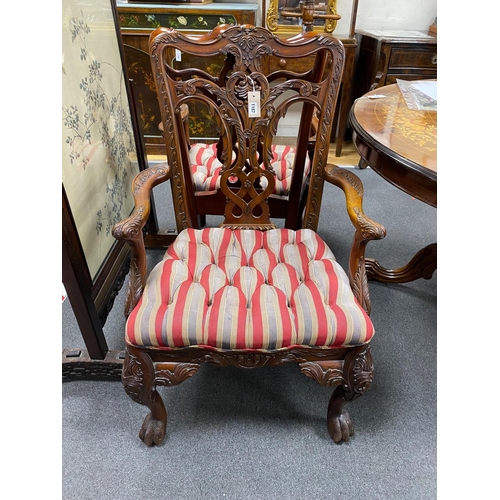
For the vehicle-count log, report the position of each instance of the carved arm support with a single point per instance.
(130, 229)
(366, 229)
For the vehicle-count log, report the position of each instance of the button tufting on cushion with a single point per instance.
(246, 289)
(205, 167)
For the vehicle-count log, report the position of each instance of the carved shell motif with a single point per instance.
(181, 372)
(324, 376)
(247, 40)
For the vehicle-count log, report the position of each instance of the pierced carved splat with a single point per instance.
(246, 138)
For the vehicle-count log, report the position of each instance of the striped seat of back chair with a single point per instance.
(244, 289)
(205, 167)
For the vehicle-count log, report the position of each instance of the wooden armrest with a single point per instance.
(366, 228)
(352, 186)
(130, 229)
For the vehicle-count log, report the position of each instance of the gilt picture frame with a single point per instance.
(278, 23)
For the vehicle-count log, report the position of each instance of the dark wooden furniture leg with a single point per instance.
(352, 377)
(422, 265)
(138, 379)
(358, 375)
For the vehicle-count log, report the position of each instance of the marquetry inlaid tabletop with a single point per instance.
(409, 133)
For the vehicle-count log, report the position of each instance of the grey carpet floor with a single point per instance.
(261, 434)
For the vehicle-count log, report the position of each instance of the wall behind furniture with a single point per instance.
(388, 14)
(383, 14)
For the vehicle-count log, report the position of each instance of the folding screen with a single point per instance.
(99, 153)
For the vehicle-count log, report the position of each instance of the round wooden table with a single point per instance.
(400, 144)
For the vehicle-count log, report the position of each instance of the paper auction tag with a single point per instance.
(254, 104)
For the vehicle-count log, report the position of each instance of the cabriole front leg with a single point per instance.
(357, 377)
(138, 378)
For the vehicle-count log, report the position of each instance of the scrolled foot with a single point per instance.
(340, 427)
(153, 430)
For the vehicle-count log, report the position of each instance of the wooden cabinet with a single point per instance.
(384, 56)
(137, 21)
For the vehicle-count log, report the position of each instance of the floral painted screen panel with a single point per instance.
(98, 146)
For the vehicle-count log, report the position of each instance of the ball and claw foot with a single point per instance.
(152, 430)
(340, 427)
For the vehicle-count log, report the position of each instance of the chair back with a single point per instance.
(245, 80)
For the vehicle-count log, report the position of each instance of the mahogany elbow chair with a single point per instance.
(247, 293)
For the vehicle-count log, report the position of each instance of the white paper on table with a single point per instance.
(428, 88)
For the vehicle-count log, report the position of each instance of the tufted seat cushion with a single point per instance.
(246, 289)
(205, 167)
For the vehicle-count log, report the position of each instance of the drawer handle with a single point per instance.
(282, 63)
(434, 59)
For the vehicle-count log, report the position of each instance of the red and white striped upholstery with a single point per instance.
(205, 167)
(245, 289)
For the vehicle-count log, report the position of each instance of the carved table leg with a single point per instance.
(138, 378)
(362, 163)
(358, 375)
(422, 265)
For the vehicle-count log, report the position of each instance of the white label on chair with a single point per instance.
(254, 104)
(178, 55)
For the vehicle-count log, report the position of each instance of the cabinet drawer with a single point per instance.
(413, 57)
(295, 65)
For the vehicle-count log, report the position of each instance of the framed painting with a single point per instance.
(99, 161)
